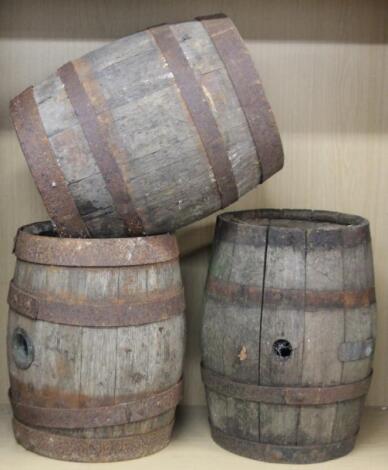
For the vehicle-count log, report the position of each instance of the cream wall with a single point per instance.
(324, 64)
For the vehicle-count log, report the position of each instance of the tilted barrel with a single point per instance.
(95, 344)
(149, 133)
(288, 333)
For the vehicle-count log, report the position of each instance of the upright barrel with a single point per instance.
(149, 133)
(288, 333)
(95, 344)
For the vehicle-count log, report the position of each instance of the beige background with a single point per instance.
(324, 64)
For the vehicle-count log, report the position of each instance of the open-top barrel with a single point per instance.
(288, 333)
(149, 133)
(95, 344)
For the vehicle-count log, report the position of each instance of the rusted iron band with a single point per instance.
(139, 409)
(281, 453)
(249, 90)
(155, 307)
(283, 395)
(356, 350)
(237, 227)
(94, 134)
(33, 246)
(78, 449)
(246, 295)
(43, 166)
(199, 109)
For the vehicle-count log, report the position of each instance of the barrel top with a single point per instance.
(39, 243)
(321, 228)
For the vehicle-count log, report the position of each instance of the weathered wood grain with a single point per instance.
(235, 352)
(146, 126)
(289, 304)
(285, 269)
(80, 367)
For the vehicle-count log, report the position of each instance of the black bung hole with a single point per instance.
(282, 348)
(22, 349)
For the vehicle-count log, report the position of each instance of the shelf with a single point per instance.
(192, 449)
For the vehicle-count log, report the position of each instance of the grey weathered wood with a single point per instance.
(149, 130)
(306, 253)
(234, 352)
(359, 323)
(316, 425)
(77, 367)
(324, 332)
(347, 421)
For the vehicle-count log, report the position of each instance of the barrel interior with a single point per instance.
(288, 333)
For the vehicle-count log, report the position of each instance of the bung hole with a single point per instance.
(282, 348)
(22, 349)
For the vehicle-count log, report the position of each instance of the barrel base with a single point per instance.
(280, 453)
(61, 447)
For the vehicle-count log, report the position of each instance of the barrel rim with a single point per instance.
(35, 244)
(341, 219)
(347, 230)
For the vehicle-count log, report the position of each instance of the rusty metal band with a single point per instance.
(94, 134)
(78, 449)
(139, 409)
(43, 166)
(249, 90)
(284, 395)
(233, 292)
(33, 246)
(248, 227)
(199, 109)
(282, 453)
(154, 308)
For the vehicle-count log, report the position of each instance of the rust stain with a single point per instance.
(32, 246)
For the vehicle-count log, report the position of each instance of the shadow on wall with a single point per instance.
(303, 20)
(194, 271)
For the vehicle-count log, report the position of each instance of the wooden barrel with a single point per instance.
(95, 344)
(288, 333)
(149, 133)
